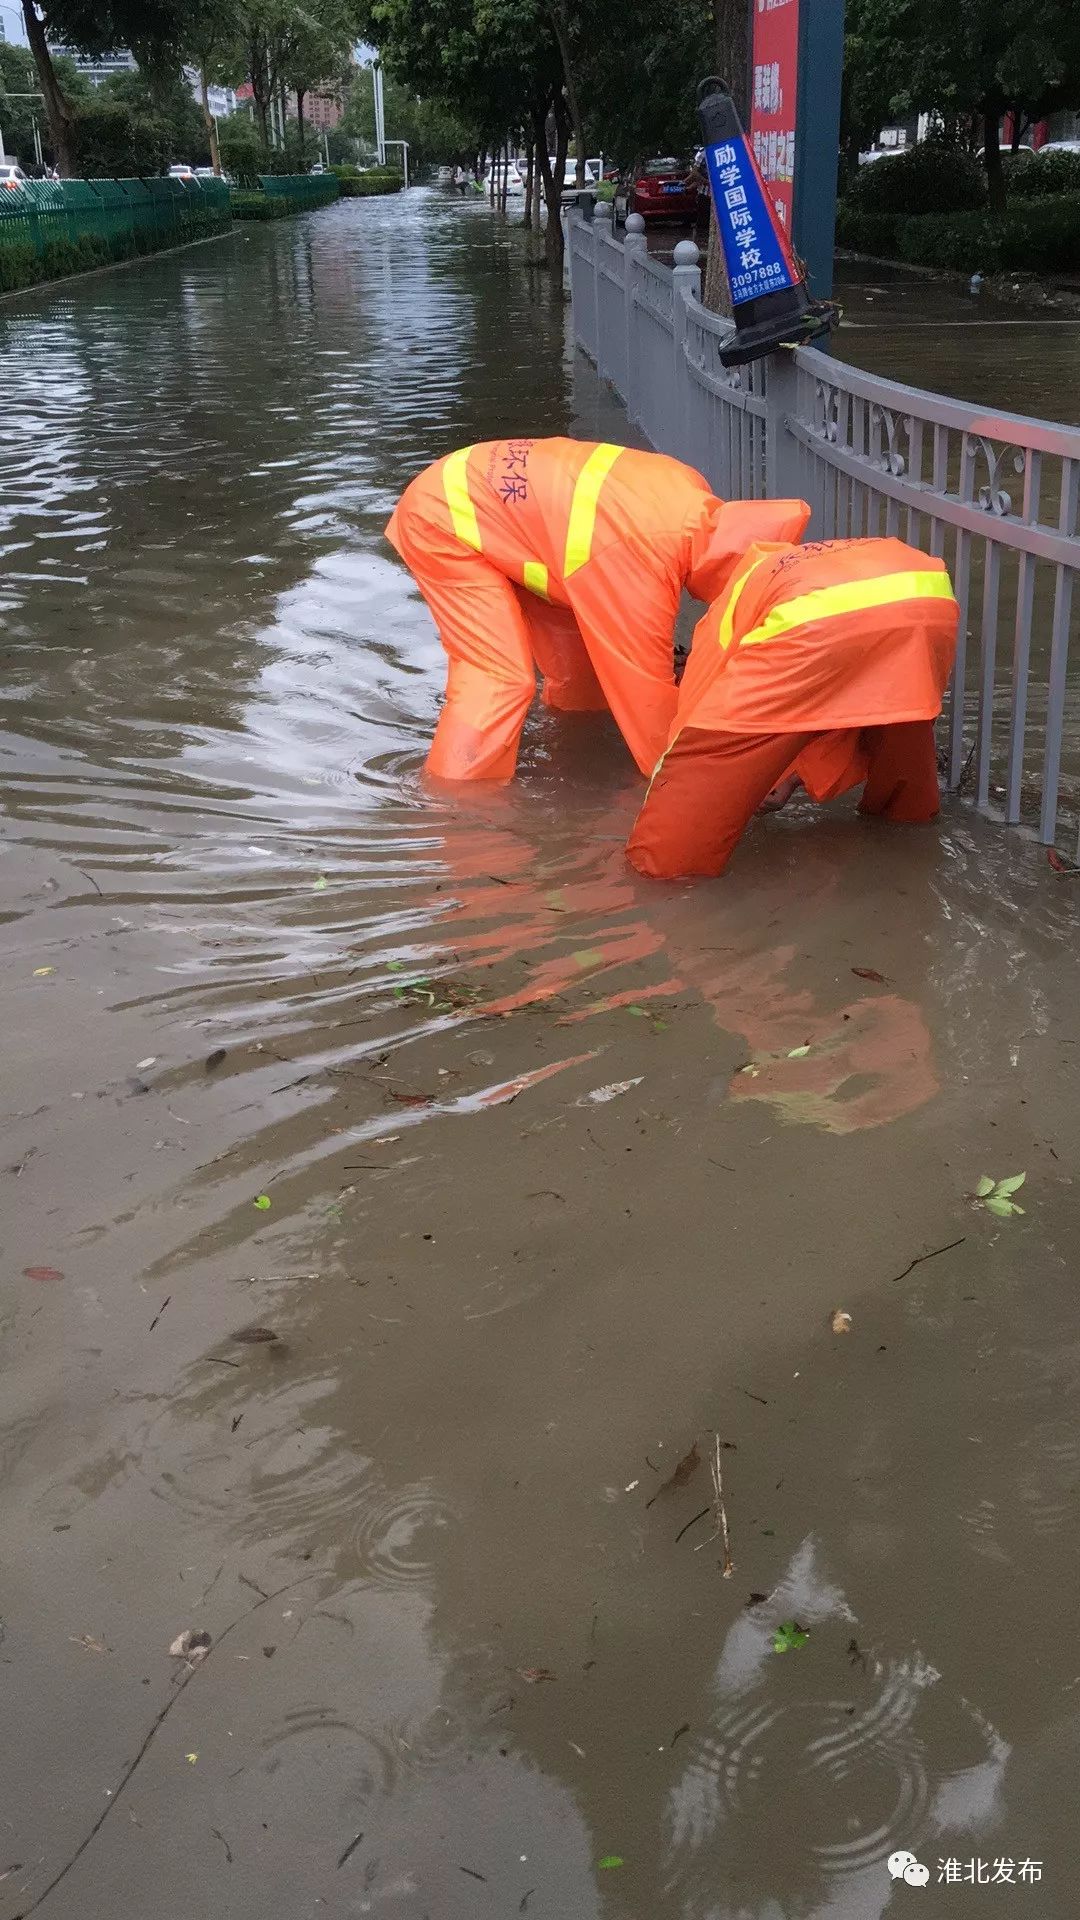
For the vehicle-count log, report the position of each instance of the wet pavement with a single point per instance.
(567, 1174)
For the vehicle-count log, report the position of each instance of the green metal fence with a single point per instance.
(110, 219)
(279, 194)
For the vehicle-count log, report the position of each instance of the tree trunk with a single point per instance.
(558, 21)
(733, 63)
(530, 162)
(209, 121)
(552, 182)
(281, 111)
(505, 187)
(57, 109)
(261, 87)
(300, 92)
(995, 172)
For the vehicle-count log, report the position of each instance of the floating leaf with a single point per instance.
(39, 972)
(263, 1202)
(1012, 1185)
(870, 973)
(396, 966)
(841, 1321)
(600, 1096)
(214, 1059)
(684, 1472)
(533, 1675)
(190, 1646)
(639, 1013)
(588, 957)
(610, 1860)
(43, 1273)
(256, 1336)
(320, 884)
(985, 1186)
(789, 1636)
(191, 1758)
(798, 1053)
(1004, 1209)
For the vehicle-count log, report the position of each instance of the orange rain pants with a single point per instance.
(829, 661)
(569, 557)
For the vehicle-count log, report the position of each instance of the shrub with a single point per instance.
(1037, 237)
(379, 180)
(1047, 173)
(345, 172)
(19, 266)
(865, 232)
(927, 179)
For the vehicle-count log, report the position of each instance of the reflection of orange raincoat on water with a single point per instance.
(830, 660)
(569, 557)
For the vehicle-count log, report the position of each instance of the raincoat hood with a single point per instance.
(728, 529)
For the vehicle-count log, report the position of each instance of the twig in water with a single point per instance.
(351, 1848)
(722, 1531)
(93, 882)
(228, 1850)
(160, 1311)
(920, 1257)
(690, 1523)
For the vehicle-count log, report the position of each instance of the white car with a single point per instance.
(1060, 146)
(181, 172)
(11, 175)
(515, 181)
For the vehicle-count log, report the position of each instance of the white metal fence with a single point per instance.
(996, 495)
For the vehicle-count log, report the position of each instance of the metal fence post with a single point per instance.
(781, 449)
(687, 286)
(633, 245)
(601, 230)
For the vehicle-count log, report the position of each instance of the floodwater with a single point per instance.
(936, 334)
(567, 1174)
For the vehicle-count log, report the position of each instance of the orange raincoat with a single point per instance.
(829, 660)
(568, 557)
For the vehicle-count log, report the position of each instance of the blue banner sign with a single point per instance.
(757, 256)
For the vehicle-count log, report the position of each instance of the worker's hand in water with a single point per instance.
(779, 795)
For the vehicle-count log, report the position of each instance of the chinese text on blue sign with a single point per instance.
(757, 259)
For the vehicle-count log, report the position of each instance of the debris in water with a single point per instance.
(533, 1675)
(142, 1065)
(722, 1531)
(256, 1336)
(678, 1733)
(214, 1059)
(600, 1096)
(932, 1255)
(682, 1475)
(690, 1523)
(840, 1321)
(191, 1758)
(43, 1273)
(320, 885)
(789, 1636)
(262, 1201)
(87, 1641)
(160, 1311)
(798, 1053)
(610, 1860)
(191, 1646)
(757, 1599)
(870, 973)
(473, 1875)
(856, 1656)
(40, 972)
(236, 1419)
(996, 1195)
(1053, 857)
(351, 1848)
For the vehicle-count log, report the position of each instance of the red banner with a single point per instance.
(775, 96)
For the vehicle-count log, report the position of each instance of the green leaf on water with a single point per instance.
(321, 883)
(262, 1201)
(395, 966)
(639, 1013)
(985, 1186)
(789, 1636)
(1012, 1185)
(660, 1026)
(589, 957)
(610, 1860)
(1004, 1209)
(798, 1053)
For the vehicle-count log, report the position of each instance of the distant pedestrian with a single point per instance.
(461, 180)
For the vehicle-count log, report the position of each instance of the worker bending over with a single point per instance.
(566, 557)
(825, 662)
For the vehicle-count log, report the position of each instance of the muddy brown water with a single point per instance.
(465, 1649)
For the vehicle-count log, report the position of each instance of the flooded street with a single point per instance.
(398, 1190)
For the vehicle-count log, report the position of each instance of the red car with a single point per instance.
(666, 189)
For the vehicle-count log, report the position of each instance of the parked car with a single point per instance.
(206, 173)
(668, 187)
(1060, 146)
(11, 175)
(181, 171)
(515, 180)
(570, 183)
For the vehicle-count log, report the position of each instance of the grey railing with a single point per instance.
(996, 495)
